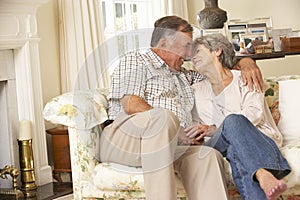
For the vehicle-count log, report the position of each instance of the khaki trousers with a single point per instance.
(149, 140)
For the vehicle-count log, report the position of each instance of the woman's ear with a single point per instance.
(219, 52)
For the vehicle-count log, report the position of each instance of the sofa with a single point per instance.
(84, 112)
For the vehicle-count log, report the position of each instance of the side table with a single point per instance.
(61, 151)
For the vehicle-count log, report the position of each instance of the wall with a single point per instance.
(47, 19)
(285, 14)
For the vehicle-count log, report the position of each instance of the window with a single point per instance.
(125, 15)
(125, 22)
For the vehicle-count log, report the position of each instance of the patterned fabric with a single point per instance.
(271, 96)
(80, 109)
(93, 180)
(146, 75)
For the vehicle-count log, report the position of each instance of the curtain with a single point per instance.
(170, 7)
(84, 54)
(81, 35)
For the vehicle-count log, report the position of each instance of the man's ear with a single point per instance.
(162, 43)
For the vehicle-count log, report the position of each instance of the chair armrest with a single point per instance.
(78, 109)
(84, 152)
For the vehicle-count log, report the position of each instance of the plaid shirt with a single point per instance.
(148, 76)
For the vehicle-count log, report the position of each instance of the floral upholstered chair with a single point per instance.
(83, 112)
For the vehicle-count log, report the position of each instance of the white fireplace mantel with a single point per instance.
(18, 32)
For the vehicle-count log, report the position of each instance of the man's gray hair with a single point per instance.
(168, 26)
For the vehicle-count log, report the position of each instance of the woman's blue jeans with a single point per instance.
(247, 149)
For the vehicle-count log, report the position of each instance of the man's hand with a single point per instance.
(251, 74)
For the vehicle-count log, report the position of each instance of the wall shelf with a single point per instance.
(280, 54)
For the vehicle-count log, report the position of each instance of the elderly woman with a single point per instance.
(236, 121)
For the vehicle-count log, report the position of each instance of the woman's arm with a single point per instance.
(252, 104)
(251, 74)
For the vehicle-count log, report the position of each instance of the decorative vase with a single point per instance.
(211, 17)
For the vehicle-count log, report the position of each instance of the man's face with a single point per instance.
(178, 49)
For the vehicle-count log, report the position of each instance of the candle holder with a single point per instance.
(27, 168)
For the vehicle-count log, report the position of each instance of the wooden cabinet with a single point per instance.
(61, 151)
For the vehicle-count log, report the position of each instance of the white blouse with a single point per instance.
(234, 99)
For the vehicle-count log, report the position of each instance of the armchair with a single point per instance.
(84, 112)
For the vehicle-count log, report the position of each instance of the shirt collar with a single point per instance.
(156, 60)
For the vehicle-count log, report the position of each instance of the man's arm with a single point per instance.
(251, 74)
(134, 104)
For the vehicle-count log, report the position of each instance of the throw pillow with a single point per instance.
(289, 107)
(272, 97)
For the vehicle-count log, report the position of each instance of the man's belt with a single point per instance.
(107, 122)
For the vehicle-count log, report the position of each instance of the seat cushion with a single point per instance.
(112, 176)
(292, 154)
(111, 180)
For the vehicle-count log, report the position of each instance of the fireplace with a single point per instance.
(8, 113)
(20, 85)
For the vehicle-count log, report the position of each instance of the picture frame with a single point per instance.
(213, 31)
(262, 20)
(249, 37)
(239, 30)
(234, 33)
(259, 20)
(259, 31)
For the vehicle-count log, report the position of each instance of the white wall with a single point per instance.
(285, 14)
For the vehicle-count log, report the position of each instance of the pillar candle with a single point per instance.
(25, 130)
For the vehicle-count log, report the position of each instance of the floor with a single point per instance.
(56, 189)
(53, 190)
(50, 191)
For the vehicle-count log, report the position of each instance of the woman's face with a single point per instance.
(203, 58)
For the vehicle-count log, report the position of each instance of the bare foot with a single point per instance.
(270, 184)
